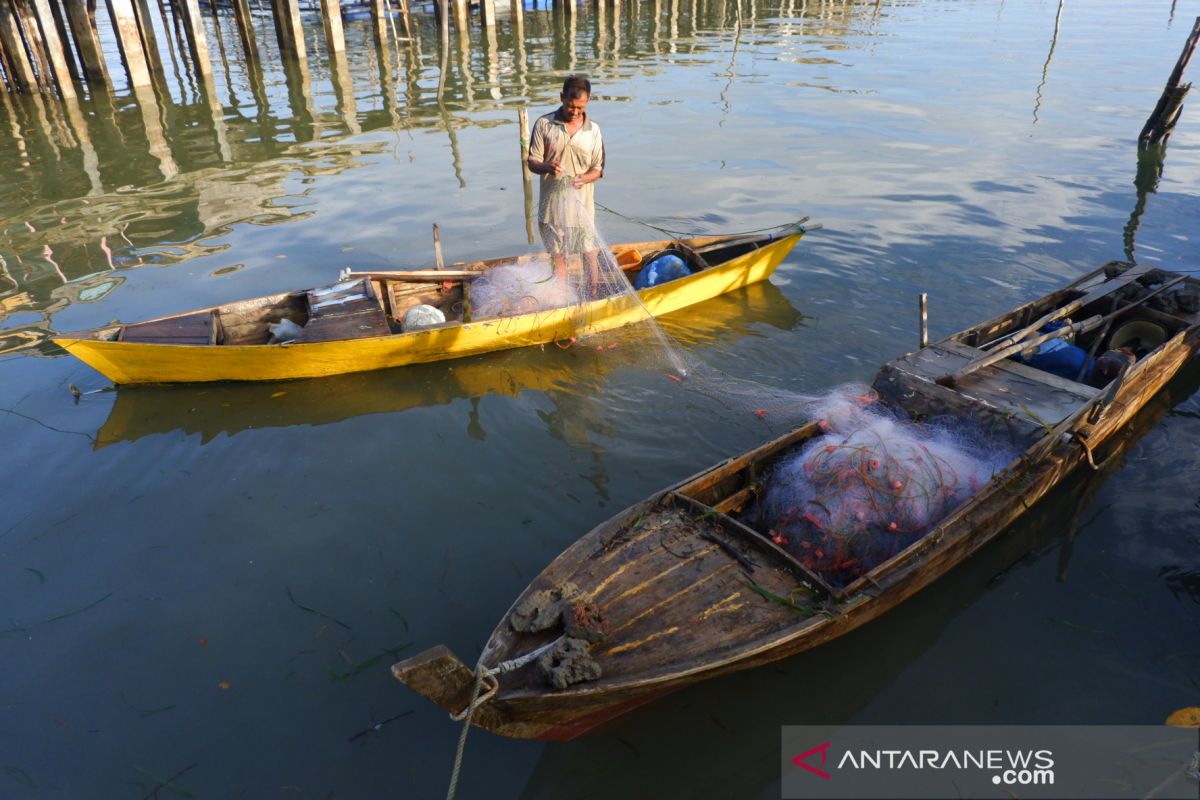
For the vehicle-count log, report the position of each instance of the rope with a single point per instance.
(679, 234)
(485, 676)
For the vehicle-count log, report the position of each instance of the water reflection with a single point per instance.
(570, 378)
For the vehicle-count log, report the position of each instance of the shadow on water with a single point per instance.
(721, 738)
(230, 408)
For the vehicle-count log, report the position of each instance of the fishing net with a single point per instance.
(870, 485)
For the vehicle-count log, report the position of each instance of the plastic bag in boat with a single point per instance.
(421, 316)
(662, 269)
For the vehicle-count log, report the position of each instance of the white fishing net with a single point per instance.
(871, 485)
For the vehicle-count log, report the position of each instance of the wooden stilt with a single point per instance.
(331, 18)
(289, 27)
(129, 39)
(35, 47)
(145, 18)
(53, 46)
(245, 26)
(87, 42)
(460, 16)
(487, 13)
(923, 322)
(197, 41)
(60, 25)
(526, 173)
(379, 23)
(23, 76)
(1162, 121)
(517, 16)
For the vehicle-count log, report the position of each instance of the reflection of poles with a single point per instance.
(1149, 172)
(10, 113)
(155, 137)
(298, 79)
(443, 8)
(343, 89)
(526, 174)
(1037, 103)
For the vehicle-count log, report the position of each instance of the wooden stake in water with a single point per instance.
(54, 48)
(924, 321)
(1162, 121)
(129, 38)
(245, 26)
(22, 74)
(437, 248)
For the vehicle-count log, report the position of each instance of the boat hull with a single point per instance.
(136, 362)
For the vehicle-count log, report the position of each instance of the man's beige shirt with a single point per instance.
(578, 154)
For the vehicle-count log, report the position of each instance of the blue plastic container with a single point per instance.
(660, 270)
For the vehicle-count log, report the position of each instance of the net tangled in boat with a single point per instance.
(521, 288)
(870, 485)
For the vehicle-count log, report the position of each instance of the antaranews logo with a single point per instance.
(1008, 767)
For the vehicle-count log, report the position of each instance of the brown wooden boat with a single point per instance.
(680, 588)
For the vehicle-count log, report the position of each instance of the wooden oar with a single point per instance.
(1034, 327)
(950, 380)
(416, 275)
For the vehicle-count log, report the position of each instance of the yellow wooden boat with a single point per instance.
(354, 326)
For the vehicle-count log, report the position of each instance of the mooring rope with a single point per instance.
(483, 676)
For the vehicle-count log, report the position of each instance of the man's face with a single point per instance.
(573, 107)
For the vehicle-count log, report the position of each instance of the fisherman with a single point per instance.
(566, 149)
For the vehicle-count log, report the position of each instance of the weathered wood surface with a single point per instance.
(197, 328)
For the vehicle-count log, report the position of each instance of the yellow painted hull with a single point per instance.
(136, 362)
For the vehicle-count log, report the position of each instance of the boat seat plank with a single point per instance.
(198, 328)
(360, 325)
(1015, 388)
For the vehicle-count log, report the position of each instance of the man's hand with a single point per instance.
(554, 168)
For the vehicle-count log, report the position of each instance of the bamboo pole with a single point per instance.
(245, 26)
(23, 76)
(331, 18)
(526, 173)
(87, 42)
(129, 39)
(1170, 104)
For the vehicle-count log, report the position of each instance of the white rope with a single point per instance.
(485, 676)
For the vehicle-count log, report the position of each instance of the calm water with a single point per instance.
(163, 552)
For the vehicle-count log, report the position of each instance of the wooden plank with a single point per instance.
(426, 275)
(196, 328)
(355, 325)
(379, 23)
(149, 39)
(289, 27)
(193, 26)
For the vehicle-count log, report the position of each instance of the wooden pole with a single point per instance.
(193, 27)
(487, 13)
(35, 46)
(379, 23)
(460, 16)
(1162, 121)
(60, 25)
(245, 26)
(924, 320)
(517, 15)
(54, 48)
(22, 72)
(289, 27)
(129, 39)
(331, 18)
(23, 77)
(437, 248)
(87, 42)
(526, 173)
(149, 37)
